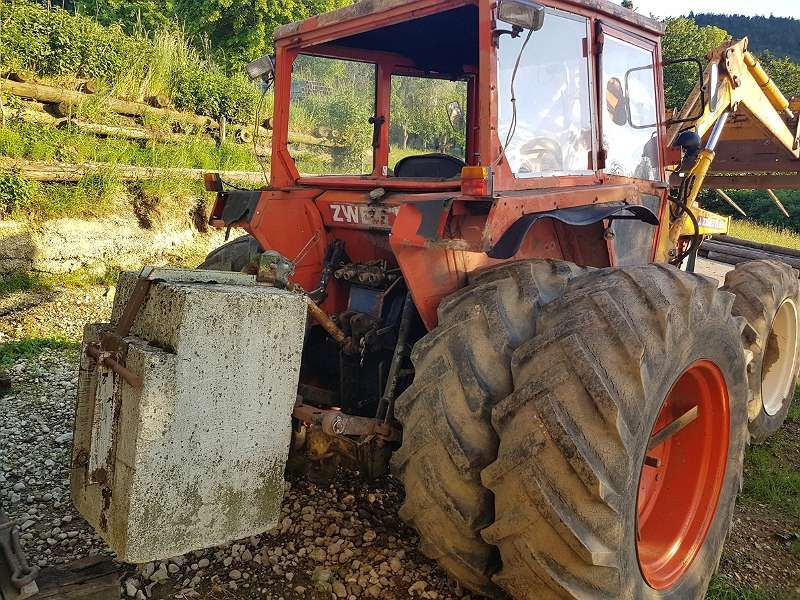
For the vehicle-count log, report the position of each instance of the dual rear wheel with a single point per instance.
(768, 296)
(619, 442)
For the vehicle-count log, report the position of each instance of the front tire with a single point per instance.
(232, 256)
(768, 296)
(621, 355)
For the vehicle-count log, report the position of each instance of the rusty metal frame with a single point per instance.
(110, 352)
(338, 424)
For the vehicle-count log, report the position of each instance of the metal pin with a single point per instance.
(778, 203)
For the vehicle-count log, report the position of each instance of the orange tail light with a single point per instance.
(476, 181)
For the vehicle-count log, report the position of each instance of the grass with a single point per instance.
(33, 141)
(153, 201)
(771, 477)
(100, 194)
(765, 234)
(11, 352)
(722, 590)
(31, 282)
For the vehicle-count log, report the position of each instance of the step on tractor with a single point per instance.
(504, 315)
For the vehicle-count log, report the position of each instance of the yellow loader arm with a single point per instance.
(747, 117)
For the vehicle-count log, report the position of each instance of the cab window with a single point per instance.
(428, 116)
(331, 103)
(551, 130)
(629, 113)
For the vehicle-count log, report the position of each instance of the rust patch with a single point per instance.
(772, 354)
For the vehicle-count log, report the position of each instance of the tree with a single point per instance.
(784, 72)
(684, 39)
(241, 30)
(131, 15)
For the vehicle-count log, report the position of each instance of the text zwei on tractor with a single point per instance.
(510, 325)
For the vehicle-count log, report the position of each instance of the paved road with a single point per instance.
(712, 268)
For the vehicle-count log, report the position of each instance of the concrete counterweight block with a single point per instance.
(195, 456)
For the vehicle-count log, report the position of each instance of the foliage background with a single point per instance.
(55, 43)
(192, 51)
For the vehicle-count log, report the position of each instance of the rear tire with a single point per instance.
(768, 296)
(614, 359)
(232, 256)
(462, 369)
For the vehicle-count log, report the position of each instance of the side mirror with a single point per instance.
(650, 121)
(617, 101)
(262, 68)
(455, 114)
(521, 13)
(685, 67)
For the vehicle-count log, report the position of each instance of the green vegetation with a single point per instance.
(38, 282)
(684, 39)
(237, 31)
(41, 142)
(54, 43)
(765, 234)
(719, 589)
(773, 39)
(11, 352)
(772, 472)
(779, 35)
(96, 195)
(762, 210)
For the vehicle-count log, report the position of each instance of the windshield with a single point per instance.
(551, 129)
(331, 103)
(427, 116)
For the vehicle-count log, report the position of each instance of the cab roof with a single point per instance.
(368, 8)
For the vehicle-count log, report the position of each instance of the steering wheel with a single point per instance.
(541, 154)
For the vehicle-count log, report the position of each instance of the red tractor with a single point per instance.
(500, 313)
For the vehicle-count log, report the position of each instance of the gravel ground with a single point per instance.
(345, 539)
(340, 541)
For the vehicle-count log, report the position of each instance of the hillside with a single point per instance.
(778, 35)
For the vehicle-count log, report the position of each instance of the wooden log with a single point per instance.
(727, 239)
(131, 133)
(95, 578)
(244, 136)
(87, 86)
(62, 109)
(726, 258)
(71, 173)
(749, 253)
(753, 182)
(54, 95)
(30, 116)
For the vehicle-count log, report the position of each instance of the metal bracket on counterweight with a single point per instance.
(19, 581)
(110, 352)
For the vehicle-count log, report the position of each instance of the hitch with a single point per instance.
(17, 577)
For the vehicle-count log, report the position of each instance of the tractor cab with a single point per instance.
(406, 94)
(446, 137)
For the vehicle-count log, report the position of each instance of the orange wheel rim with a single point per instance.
(682, 475)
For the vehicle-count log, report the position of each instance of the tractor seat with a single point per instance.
(429, 166)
